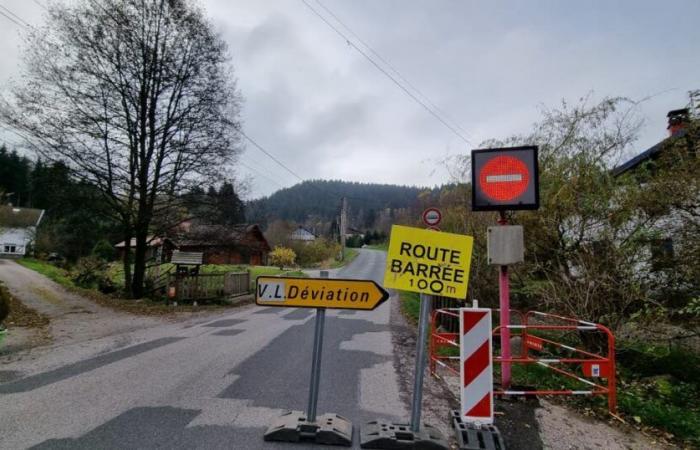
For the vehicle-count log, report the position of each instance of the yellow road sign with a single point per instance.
(429, 262)
(319, 293)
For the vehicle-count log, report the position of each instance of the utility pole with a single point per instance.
(343, 226)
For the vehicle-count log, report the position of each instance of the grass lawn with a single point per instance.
(47, 269)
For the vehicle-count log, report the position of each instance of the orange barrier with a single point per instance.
(591, 365)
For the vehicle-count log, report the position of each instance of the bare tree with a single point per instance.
(138, 98)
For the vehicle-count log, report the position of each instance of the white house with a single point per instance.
(302, 234)
(17, 229)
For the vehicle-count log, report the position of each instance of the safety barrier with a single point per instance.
(536, 343)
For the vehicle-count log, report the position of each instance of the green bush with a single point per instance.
(642, 360)
(311, 253)
(89, 272)
(104, 250)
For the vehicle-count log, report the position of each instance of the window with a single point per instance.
(10, 248)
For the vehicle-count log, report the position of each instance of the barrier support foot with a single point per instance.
(385, 435)
(328, 429)
(476, 437)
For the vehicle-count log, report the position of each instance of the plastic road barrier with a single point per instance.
(536, 330)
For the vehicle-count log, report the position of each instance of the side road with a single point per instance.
(72, 318)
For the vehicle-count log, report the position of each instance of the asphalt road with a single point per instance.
(213, 384)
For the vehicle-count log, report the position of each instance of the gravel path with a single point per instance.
(73, 318)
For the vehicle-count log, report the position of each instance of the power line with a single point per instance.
(393, 69)
(12, 20)
(41, 5)
(272, 157)
(388, 75)
(24, 22)
(261, 174)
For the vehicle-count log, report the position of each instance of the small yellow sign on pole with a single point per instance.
(429, 262)
(319, 293)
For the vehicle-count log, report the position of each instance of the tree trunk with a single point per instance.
(126, 260)
(137, 290)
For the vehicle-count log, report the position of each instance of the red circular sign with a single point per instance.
(504, 178)
(432, 217)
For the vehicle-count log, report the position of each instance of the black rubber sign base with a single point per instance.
(386, 435)
(476, 437)
(328, 429)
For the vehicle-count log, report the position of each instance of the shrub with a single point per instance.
(282, 256)
(89, 271)
(104, 250)
(311, 253)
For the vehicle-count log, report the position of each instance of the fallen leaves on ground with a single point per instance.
(24, 316)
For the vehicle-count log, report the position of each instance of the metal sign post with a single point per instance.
(316, 362)
(504, 304)
(295, 426)
(423, 324)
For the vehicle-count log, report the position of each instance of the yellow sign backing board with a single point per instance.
(319, 293)
(430, 262)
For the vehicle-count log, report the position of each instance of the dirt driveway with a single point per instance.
(73, 318)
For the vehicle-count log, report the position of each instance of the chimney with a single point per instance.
(677, 119)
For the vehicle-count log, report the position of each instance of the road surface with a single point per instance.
(210, 384)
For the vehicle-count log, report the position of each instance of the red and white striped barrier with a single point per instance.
(476, 365)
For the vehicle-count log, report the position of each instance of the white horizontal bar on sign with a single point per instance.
(447, 341)
(582, 392)
(514, 392)
(504, 178)
(549, 361)
(539, 327)
(583, 380)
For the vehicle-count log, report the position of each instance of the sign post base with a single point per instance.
(328, 429)
(385, 435)
(476, 437)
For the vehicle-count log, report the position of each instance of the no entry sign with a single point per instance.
(505, 178)
(432, 217)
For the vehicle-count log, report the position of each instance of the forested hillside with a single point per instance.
(319, 200)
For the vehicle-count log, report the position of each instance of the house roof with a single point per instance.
(12, 217)
(220, 235)
(649, 154)
(302, 234)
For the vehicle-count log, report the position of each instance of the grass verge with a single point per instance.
(54, 273)
(410, 305)
(349, 256)
(144, 306)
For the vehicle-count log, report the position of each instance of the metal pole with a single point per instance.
(423, 321)
(316, 360)
(504, 301)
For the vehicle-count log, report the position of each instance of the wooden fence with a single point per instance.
(209, 286)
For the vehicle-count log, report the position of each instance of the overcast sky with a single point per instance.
(318, 105)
